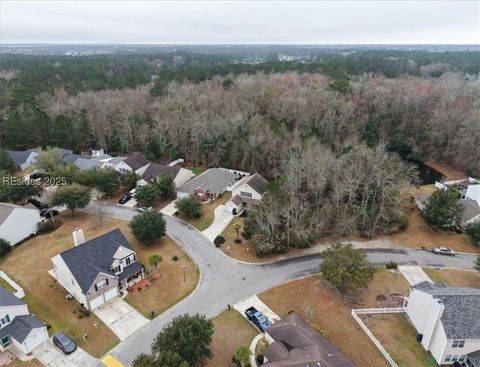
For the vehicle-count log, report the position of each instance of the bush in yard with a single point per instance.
(165, 185)
(106, 180)
(148, 227)
(147, 195)
(6, 163)
(175, 258)
(473, 231)
(189, 206)
(73, 196)
(242, 355)
(391, 265)
(4, 247)
(129, 180)
(45, 227)
(346, 268)
(249, 227)
(443, 209)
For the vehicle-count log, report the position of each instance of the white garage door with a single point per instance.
(97, 301)
(110, 294)
(35, 338)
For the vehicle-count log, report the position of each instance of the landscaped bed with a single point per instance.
(332, 310)
(208, 216)
(231, 331)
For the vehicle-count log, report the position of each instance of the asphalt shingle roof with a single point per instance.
(475, 358)
(258, 183)
(8, 299)
(461, 316)
(20, 327)
(214, 180)
(136, 161)
(155, 169)
(20, 156)
(87, 260)
(471, 209)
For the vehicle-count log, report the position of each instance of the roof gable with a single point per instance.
(136, 161)
(258, 183)
(20, 156)
(155, 169)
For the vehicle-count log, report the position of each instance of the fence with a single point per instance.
(19, 290)
(375, 341)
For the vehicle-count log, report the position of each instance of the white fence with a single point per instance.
(375, 341)
(19, 290)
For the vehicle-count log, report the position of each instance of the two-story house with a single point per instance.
(447, 320)
(96, 271)
(247, 193)
(17, 327)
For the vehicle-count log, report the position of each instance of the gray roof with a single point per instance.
(6, 209)
(136, 161)
(298, 345)
(475, 358)
(258, 183)
(155, 169)
(214, 181)
(20, 156)
(20, 327)
(85, 164)
(87, 260)
(71, 157)
(461, 316)
(471, 209)
(116, 160)
(8, 299)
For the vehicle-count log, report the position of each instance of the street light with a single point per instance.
(183, 266)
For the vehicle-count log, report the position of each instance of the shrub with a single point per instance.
(4, 247)
(473, 231)
(391, 265)
(148, 227)
(259, 359)
(84, 312)
(45, 227)
(189, 206)
(175, 258)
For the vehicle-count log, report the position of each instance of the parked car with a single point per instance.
(40, 205)
(443, 251)
(258, 318)
(36, 175)
(48, 213)
(64, 342)
(144, 209)
(125, 198)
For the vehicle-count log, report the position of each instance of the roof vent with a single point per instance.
(78, 237)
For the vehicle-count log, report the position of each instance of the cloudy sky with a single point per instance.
(245, 22)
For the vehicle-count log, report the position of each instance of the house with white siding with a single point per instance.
(447, 320)
(152, 170)
(18, 328)
(247, 193)
(23, 158)
(18, 222)
(96, 271)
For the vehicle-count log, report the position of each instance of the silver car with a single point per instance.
(443, 251)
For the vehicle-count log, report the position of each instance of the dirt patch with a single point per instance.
(231, 331)
(19, 363)
(449, 172)
(332, 311)
(456, 278)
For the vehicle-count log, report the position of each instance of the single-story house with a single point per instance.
(96, 271)
(85, 164)
(471, 211)
(17, 326)
(23, 158)
(247, 193)
(447, 320)
(135, 163)
(179, 175)
(18, 222)
(293, 343)
(208, 185)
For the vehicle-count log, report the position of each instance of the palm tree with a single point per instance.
(237, 227)
(154, 259)
(242, 355)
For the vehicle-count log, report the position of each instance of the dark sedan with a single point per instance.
(125, 198)
(48, 213)
(64, 342)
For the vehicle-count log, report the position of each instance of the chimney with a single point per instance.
(78, 237)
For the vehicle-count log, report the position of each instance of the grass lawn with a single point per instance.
(332, 310)
(19, 363)
(196, 170)
(29, 263)
(456, 278)
(398, 337)
(169, 288)
(208, 216)
(231, 331)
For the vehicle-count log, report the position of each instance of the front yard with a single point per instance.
(332, 310)
(231, 331)
(455, 278)
(28, 265)
(207, 217)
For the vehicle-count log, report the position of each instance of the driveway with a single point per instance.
(120, 317)
(259, 305)
(221, 221)
(51, 356)
(169, 209)
(414, 274)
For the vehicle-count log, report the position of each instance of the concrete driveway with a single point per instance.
(221, 221)
(169, 209)
(259, 305)
(51, 356)
(414, 274)
(120, 317)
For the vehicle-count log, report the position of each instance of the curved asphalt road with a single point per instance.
(227, 281)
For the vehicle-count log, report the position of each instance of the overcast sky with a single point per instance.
(269, 22)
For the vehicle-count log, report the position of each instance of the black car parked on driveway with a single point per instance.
(64, 342)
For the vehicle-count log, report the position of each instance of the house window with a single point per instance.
(455, 357)
(246, 194)
(5, 341)
(458, 343)
(134, 257)
(448, 358)
(5, 320)
(128, 261)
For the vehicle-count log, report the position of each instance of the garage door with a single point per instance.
(35, 338)
(97, 301)
(110, 294)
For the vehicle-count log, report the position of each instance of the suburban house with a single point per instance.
(293, 343)
(23, 158)
(18, 328)
(85, 164)
(447, 320)
(471, 211)
(473, 191)
(208, 185)
(98, 270)
(247, 193)
(18, 222)
(179, 175)
(135, 163)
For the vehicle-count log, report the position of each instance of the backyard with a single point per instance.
(332, 310)
(231, 331)
(208, 209)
